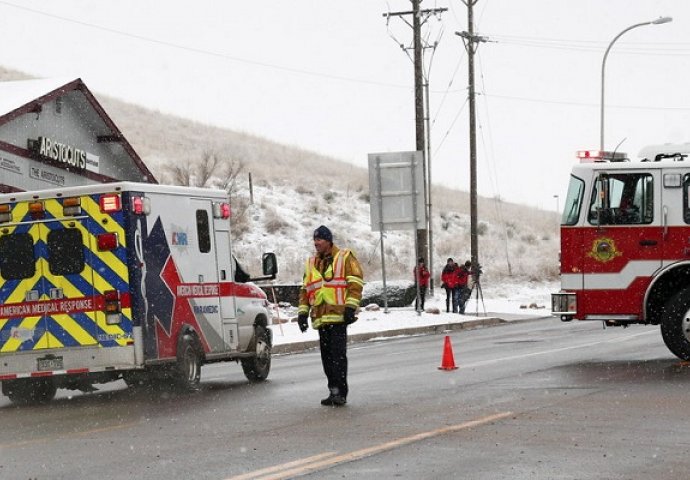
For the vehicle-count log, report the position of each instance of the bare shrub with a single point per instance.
(303, 190)
(273, 223)
(529, 239)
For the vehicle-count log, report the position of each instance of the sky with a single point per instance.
(332, 76)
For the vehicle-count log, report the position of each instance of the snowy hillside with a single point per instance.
(295, 191)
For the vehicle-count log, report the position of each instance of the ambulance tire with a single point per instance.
(188, 366)
(29, 392)
(257, 367)
(675, 324)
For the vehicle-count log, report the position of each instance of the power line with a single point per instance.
(582, 104)
(207, 52)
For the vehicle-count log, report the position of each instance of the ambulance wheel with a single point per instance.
(29, 392)
(188, 367)
(675, 324)
(257, 367)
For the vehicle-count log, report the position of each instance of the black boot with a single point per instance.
(334, 401)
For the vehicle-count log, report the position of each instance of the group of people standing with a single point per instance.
(456, 280)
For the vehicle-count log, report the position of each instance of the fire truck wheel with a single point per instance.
(675, 324)
(256, 368)
(188, 367)
(29, 392)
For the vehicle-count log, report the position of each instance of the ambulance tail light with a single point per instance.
(106, 241)
(222, 210)
(37, 210)
(5, 213)
(113, 308)
(71, 207)
(110, 203)
(141, 205)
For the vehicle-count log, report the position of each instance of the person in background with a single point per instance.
(464, 291)
(450, 282)
(421, 277)
(331, 292)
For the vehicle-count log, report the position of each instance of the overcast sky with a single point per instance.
(331, 77)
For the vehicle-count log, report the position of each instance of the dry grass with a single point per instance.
(515, 240)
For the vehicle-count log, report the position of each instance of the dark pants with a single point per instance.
(450, 298)
(422, 294)
(333, 344)
(464, 294)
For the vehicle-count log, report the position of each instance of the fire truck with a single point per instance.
(123, 281)
(625, 242)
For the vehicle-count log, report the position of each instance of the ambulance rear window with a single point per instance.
(65, 252)
(203, 231)
(17, 259)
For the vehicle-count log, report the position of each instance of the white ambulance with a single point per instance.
(123, 280)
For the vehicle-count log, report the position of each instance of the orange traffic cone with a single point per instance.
(448, 362)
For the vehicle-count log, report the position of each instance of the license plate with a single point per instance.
(54, 363)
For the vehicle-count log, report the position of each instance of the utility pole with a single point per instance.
(422, 234)
(471, 42)
(418, 18)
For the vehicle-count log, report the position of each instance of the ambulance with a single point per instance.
(125, 281)
(625, 242)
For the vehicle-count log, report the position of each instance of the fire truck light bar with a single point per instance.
(601, 156)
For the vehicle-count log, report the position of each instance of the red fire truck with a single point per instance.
(625, 242)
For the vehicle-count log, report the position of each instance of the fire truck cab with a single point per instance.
(625, 242)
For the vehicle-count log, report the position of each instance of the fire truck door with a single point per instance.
(225, 271)
(624, 242)
(65, 292)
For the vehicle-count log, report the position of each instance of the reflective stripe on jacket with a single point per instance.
(331, 284)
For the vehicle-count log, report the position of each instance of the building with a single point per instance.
(55, 133)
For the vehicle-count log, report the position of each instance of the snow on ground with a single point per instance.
(528, 299)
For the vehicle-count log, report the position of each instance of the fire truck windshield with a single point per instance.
(573, 201)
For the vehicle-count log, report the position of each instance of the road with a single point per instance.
(537, 400)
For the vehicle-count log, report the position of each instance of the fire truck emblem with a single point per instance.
(604, 250)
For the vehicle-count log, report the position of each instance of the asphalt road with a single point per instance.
(537, 400)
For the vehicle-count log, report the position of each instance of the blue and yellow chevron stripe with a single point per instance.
(103, 271)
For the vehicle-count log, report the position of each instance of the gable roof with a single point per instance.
(24, 96)
(16, 94)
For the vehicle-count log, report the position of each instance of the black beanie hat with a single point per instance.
(323, 233)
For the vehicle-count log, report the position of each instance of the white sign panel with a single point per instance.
(396, 190)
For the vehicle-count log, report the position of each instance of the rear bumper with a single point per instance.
(65, 361)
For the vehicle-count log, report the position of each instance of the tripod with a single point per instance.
(477, 288)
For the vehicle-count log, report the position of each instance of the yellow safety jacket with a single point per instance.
(331, 284)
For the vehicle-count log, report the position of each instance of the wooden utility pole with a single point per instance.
(471, 41)
(423, 247)
(422, 234)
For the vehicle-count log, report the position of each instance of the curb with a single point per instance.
(298, 347)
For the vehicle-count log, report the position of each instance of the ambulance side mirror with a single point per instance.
(270, 264)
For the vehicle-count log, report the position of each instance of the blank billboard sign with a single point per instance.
(396, 188)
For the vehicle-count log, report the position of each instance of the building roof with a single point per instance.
(16, 94)
(23, 96)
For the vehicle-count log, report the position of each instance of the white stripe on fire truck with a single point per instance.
(610, 281)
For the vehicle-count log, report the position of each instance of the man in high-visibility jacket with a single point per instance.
(331, 292)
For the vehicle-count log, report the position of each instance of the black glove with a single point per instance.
(302, 321)
(349, 315)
